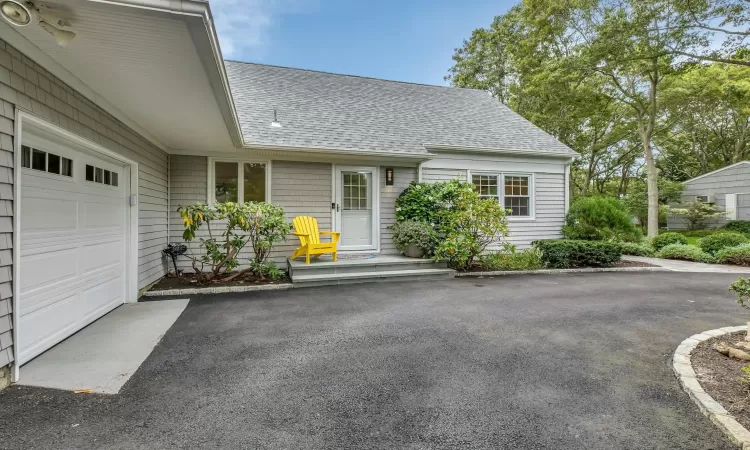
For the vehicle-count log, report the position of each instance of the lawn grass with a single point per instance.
(693, 241)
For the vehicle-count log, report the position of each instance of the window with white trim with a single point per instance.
(239, 181)
(515, 195)
(33, 158)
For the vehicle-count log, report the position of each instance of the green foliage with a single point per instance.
(419, 234)
(600, 219)
(635, 249)
(636, 200)
(260, 224)
(566, 254)
(512, 259)
(741, 289)
(739, 255)
(745, 377)
(719, 241)
(685, 253)
(267, 269)
(428, 202)
(740, 226)
(668, 238)
(469, 227)
(696, 214)
(697, 233)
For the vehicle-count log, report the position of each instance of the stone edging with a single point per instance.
(552, 271)
(218, 290)
(683, 369)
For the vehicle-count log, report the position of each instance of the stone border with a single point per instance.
(218, 290)
(683, 369)
(553, 271)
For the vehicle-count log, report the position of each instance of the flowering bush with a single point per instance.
(428, 202)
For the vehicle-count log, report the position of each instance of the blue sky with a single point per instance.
(407, 40)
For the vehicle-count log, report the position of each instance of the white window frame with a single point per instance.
(501, 191)
(240, 176)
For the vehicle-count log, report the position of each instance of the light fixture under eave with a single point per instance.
(275, 123)
(15, 12)
(62, 37)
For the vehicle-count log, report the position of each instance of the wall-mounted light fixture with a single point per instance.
(389, 176)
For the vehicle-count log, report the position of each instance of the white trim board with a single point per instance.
(24, 118)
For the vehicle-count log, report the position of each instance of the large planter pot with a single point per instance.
(412, 251)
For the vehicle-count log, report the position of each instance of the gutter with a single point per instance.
(366, 153)
(500, 151)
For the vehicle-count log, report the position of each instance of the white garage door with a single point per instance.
(74, 233)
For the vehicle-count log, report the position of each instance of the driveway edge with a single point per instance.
(553, 271)
(218, 290)
(683, 369)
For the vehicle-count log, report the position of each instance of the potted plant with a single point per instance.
(414, 239)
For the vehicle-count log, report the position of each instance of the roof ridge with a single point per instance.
(353, 76)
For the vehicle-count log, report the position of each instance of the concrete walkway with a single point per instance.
(104, 355)
(688, 266)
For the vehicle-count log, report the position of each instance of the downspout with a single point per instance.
(567, 185)
(419, 173)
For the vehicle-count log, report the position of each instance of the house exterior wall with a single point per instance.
(26, 85)
(733, 180)
(402, 176)
(549, 188)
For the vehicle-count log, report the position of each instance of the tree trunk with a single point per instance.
(652, 178)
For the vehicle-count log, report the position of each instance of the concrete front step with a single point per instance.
(308, 280)
(343, 266)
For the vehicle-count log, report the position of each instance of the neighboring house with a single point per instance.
(728, 188)
(101, 140)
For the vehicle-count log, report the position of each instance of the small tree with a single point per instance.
(472, 225)
(600, 219)
(265, 226)
(741, 289)
(696, 214)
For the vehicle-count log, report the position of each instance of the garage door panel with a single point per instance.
(101, 255)
(45, 326)
(44, 269)
(73, 255)
(97, 214)
(42, 212)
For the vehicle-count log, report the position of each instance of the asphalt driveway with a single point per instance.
(548, 361)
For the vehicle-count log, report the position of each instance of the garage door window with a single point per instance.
(32, 158)
(101, 176)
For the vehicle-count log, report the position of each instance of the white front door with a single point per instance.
(356, 207)
(74, 216)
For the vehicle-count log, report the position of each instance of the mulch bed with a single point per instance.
(719, 376)
(191, 281)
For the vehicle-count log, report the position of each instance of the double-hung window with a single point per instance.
(513, 191)
(238, 181)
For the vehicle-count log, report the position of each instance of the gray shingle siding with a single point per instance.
(28, 86)
(431, 174)
(733, 180)
(402, 176)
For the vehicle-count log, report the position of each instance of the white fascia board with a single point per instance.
(717, 171)
(353, 153)
(499, 151)
(207, 46)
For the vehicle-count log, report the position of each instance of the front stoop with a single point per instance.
(683, 369)
(325, 272)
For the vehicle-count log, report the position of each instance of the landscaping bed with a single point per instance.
(720, 376)
(194, 281)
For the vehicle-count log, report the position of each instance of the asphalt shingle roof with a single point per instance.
(341, 112)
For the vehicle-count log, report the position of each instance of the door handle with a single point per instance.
(337, 207)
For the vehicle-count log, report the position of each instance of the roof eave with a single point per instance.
(345, 152)
(717, 171)
(501, 151)
(206, 41)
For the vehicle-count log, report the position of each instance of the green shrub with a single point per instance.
(740, 226)
(739, 255)
(512, 259)
(719, 241)
(419, 234)
(697, 233)
(685, 253)
(668, 238)
(696, 214)
(428, 202)
(631, 248)
(470, 227)
(566, 254)
(600, 219)
(741, 289)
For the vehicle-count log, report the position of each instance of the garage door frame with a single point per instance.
(23, 118)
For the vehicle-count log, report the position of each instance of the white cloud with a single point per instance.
(244, 26)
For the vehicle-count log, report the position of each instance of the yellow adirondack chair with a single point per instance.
(306, 228)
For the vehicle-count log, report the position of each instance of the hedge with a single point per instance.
(568, 254)
(739, 255)
(740, 226)
(668, 238)
(714, 243)
(685, 253)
